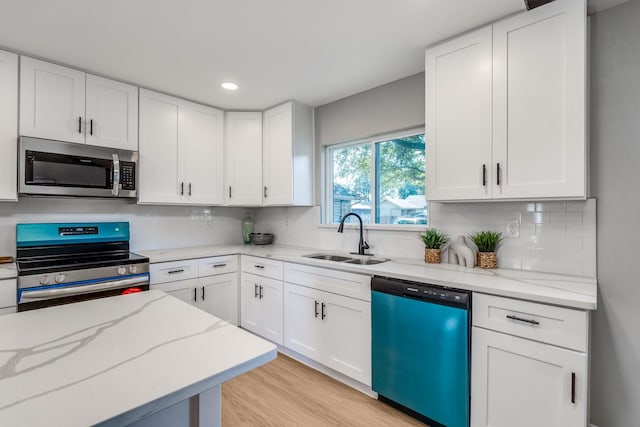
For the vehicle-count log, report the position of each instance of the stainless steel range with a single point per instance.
(71, 262)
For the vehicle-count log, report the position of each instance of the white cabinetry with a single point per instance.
(210, 284)
(527, 356)
(8, 298)
(8, 125)
(180, 151)
(261, 297)
(506, 108)
(64, 104)
(288, 155)
(327, 317)
(243, 158)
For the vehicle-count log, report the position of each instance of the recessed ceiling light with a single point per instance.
(229, 86)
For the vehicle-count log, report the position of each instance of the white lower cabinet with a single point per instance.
(219, 296)
(261, 306)
(522, 382)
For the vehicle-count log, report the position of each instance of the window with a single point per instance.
(382, 180)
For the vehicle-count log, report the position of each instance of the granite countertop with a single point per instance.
(8, 271)
(564, 290)
(83, 364)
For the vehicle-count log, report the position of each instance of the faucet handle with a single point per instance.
(365, 245)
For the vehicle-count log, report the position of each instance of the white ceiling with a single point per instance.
(314, 51)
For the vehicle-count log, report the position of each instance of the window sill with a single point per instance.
(381, 227)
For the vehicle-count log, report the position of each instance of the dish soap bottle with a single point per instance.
(248, 227)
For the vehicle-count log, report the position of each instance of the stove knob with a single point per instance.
(44, 280)
(122, 270)
(133, 269)
(60, 278)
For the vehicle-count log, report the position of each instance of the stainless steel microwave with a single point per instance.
(66, 169)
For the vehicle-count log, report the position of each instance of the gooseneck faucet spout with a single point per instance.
(362, 245)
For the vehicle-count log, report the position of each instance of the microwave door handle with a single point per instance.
(116, 175)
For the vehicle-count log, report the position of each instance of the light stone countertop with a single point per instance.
(564, 290)
(8, 271)
(122, 357)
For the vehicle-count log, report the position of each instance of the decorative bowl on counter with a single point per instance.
(261, 238)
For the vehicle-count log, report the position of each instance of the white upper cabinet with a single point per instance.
(112, 114)
(243, 159)
(52, 101)
(506, 109)
(64, 104)
(180, 151)
(288, 155)
(539, 84)
(458, 118)
(8, 125)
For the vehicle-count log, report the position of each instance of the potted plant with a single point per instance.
(487, 243)
(433, 240)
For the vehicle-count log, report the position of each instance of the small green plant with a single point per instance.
(486, 241)
(433, 239)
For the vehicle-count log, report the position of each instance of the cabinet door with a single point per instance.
(8, 125)
(219, 296)
(277, 166)
(513, 378)
(158, 177)
(302, 325)
(458, 118)
(539, 102)
(243, 159)
(184, 290)
(347, 336)
(271, 297)
(52, 101)
(200, 139)
(112, 114)
(250, 304)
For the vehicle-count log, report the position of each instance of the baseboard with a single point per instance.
(356, 385)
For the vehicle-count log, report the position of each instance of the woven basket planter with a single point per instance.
(487, 260)
(432, 256)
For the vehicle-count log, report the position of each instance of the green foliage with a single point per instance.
(486, 241)
(433, 239)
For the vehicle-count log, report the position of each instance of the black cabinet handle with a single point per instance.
(498, 174)
(261, 267)
(189, 188)
(80, 124)
(195, 294)
(261, 292)
(175, 271)
(203, 293)
(323, 313)
(229, 191)
(255, 290)
(573, 387)
(182, 188)
(520, 319)
(316, 308)
(484, 175)
(219, 265)
(265, 191)
(91, 127)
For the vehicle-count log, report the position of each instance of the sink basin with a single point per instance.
(367, 261)
(328, 257)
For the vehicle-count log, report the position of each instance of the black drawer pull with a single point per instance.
(520, 319)
(261, 267)
(175, 271)
(219, 265)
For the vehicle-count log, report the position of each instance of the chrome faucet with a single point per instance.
(362, 245)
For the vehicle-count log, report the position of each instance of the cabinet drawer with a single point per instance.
(337, 282)
(8, 290)
(262, 267)
(173, 271)
(217, 265)
(563, 327)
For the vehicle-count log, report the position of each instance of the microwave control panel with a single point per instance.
(128, 175)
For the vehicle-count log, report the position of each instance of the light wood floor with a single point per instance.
(285, 392)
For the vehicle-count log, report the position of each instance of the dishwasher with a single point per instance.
(420, 350)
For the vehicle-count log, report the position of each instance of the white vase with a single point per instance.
(461, 254)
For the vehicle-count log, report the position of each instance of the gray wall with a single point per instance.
(615, 180)
(395, 106)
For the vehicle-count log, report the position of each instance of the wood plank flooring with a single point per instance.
(285, 392)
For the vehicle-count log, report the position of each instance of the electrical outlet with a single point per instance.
(513, 229)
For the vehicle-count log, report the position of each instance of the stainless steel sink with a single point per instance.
(347, 260)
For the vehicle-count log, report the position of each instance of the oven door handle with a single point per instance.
(116, 174)
(83, 289)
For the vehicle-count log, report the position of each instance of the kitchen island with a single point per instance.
(141, 359)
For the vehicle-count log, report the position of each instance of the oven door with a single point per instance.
(66, 169)
(47, 296)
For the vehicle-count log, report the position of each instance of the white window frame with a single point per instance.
(327, 210)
